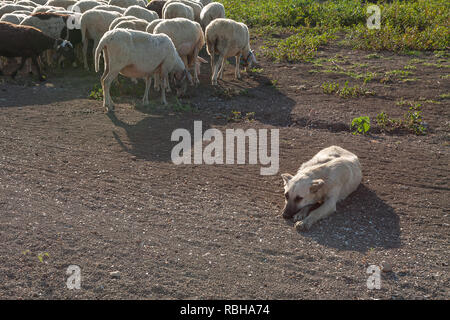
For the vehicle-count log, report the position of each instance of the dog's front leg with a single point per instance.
(303, 213)
(327, 208)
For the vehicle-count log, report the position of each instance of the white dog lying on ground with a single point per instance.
(330, 176)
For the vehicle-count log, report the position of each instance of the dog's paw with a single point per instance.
(302, 214)
(301, 226)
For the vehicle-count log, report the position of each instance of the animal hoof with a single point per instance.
(301, 226)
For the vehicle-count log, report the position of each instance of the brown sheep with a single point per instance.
(29, 42)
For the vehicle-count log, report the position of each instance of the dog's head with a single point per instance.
(301, 191)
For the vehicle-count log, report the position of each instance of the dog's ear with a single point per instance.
(316, 185)
(286, 178)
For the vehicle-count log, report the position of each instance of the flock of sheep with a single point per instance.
(159, 40)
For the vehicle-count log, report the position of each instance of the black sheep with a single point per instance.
(29, 42)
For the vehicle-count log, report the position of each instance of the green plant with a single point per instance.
(238, 116)
(330, 87)
(360, 125)
(96, 93)
(413, 120)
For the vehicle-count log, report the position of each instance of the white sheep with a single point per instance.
(178, 10)
(15, 18)
(49, 23)
(137, 54)
(27, 3)
(204, 2)
(10, 8)
(152, 25)
(228, 38)
(136, 24)
(119, 20)
(61, 3)
(46, 9)
(210, 12)
(127, 3)
(107, 7)
(141, 13)
(40, 2)
(196, 7)
(94, 23)
(85, 5)
(188, 38)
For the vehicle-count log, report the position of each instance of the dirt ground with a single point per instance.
(80, 187)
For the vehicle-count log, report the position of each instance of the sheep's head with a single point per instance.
(249, 60)
(180, 81)
(64, 48)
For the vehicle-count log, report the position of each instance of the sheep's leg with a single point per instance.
(35, 63)
(95, 47)
(13, 75)
(107, 101)
(196, 80)
(106, 67)
(163, 88)
(85, 48)
(157, 82)
(236, 71)
(221, 69)
(167, 85)
(48, 55)
(216, 70)
(148, 82)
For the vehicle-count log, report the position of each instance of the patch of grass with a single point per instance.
(345, 91)
(445, 96)
(298, 47)
(179, 106)
(407, 27)
(412, 121)
(238, 116)
(257, 70)
(373, 56)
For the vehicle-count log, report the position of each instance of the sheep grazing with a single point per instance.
(141, 13)
(228, 38)
(127, 3)
(187, 36)
(214, 10)
(29, 42)
(94, 23)
(136, 24)
(61, 3)
(137, 54)
(152, 25)
(85, 5)
(157, 6)
(107, 7)
(15, 18)
(196, 7)
(10, 8)
(178, 10)
(54, 25)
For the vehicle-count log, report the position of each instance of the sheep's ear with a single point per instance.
(316, 185)
(254, 58)
(286, 178)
